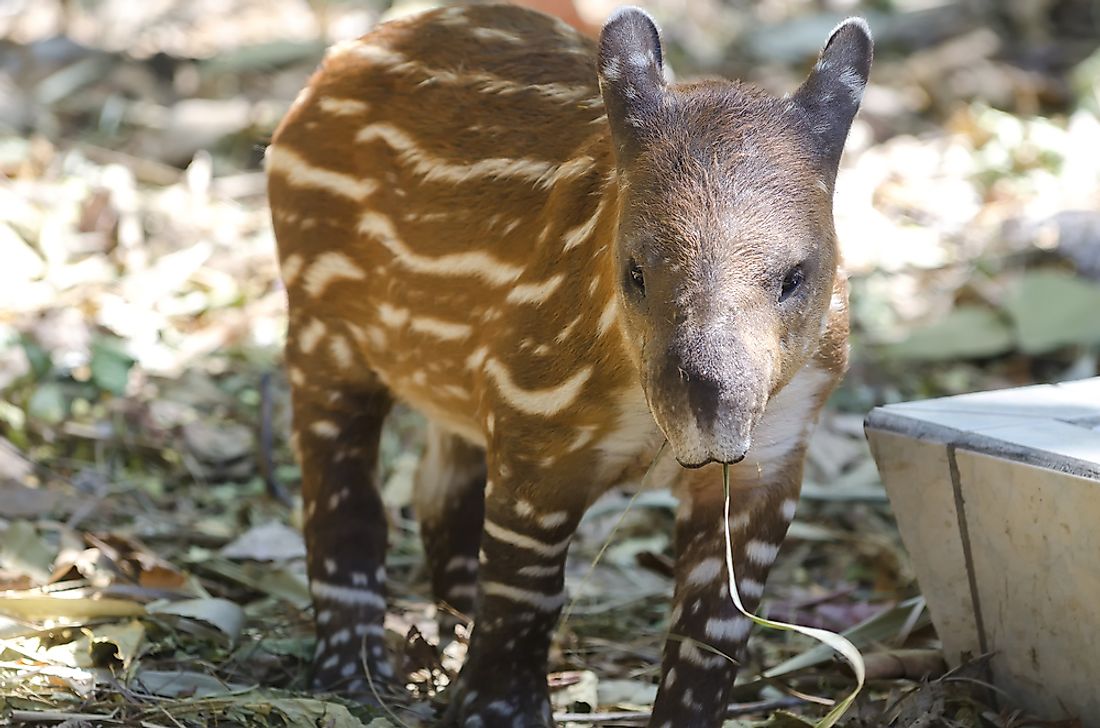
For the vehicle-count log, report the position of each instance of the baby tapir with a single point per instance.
(562, 260)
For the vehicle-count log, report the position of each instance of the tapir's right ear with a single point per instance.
(631, 78)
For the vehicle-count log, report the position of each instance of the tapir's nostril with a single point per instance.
(704, 398)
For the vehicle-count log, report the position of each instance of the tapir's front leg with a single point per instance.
(530, 515)
(707, 634)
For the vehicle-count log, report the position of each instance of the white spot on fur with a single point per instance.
(740, 521)
(327, 268)
(567, 330)
(539, 600)
(324, 428)
(577, 235)
(535, 292)
(341, 351)
(706, 571)
(546, 401)
(475, 263)
(761, 553)
(440, 329)
(609, 315)
(461, 563)
(343, 107)
(750, 588)
(347, 595)
(337, 498)
(392, 316)
(495, 34)
(553, 520)
(310, 335)
(291, 267)
(279, 160)
(522, 541)
(435, 168)
(694, 655)
(788, 509)
(456, 591)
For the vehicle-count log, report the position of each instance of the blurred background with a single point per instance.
(143, 410)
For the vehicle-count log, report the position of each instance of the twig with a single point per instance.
(374, 688)
(49, 716)
(733, 711)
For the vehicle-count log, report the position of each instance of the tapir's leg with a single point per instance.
(707, 634)
(337, 425)
(531, 513)
(449, 498)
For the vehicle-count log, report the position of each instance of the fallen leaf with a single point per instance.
(222, 614)
(182, 683)
(1053, 308)
(37, 607)
(272, 541)
(966, 332)
(22, 549)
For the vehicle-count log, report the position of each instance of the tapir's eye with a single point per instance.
(635, 276)
(791, 283)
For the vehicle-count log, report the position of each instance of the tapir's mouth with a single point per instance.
(696, 464)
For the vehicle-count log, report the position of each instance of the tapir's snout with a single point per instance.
(707, 409)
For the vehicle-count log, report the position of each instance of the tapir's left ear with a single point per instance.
(830, 96)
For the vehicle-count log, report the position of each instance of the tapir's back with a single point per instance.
(442, 180)
(496, 96)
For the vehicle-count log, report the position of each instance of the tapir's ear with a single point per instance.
(631, 81)
(830, 96)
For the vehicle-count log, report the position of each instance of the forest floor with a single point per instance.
(151, 564)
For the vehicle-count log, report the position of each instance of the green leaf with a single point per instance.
(115, 642)
(264, 56)
(110, 366)
(1052, 308)
(222, 614)
(48, 403)
(966, 332)
(182, 683)
(37, 357)
(24, 551)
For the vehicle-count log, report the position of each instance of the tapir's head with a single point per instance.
(726, 252)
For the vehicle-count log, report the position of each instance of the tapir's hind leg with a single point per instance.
(337, 424)
(449, 498)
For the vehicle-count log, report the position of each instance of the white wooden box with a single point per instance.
(997, 497)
